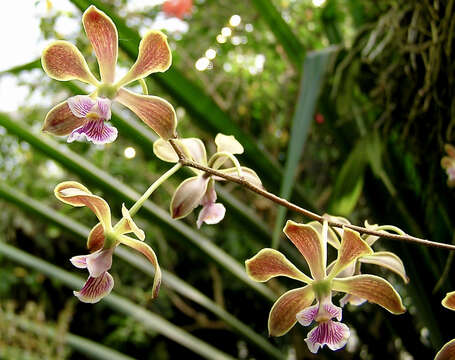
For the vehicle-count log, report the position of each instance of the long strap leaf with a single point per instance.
(150, 320)
(114, 187)
(169, 280)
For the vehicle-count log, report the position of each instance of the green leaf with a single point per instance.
(205, 112)
(83, 345)
(349, 182)
(314, 68)
(150, 320)
(110, 185)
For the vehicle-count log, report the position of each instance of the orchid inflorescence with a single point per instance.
(86, 117)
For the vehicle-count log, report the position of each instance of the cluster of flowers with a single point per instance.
(86, 117)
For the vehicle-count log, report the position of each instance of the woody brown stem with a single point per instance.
(309, 214)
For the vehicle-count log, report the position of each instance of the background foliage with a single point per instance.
(373, 150)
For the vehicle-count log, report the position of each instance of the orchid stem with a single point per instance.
(145, 90)
(138, 204)
(184, 161)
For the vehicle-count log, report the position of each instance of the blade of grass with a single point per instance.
(314, 68)
(150, 320)
(169, 280)
(112, 186)
(83, 345)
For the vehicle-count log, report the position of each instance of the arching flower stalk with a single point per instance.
(385, 259)
(86, 116)
(200, 189)
(297, 304)
(102, 241)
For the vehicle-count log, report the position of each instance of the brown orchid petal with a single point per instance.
(372, 288)
(129, 226)
(447, 352)
(269, 263)
(282, 316)
(188, 196)
(63, 61)
(450, 150)
(352, 247)
(61, 121)
(308, 241)
(449, 301)
(247, 174)
(388, 260)
(96, 238)
(102, 33)
(195, 150)
(75, 194)
(148, 252)
(332, 238)
(154, 56)
(228, 144)
(156, 112)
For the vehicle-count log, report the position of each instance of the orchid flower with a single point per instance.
(102, 241)
(447, 352)
(86, 116)
(297, 304)
(384, 259)
(448, 163)
(200, 189)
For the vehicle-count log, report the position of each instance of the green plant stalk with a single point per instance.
(150, 320)
(84, 346)
(92, 174)
(169, 280)
(138, 204)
